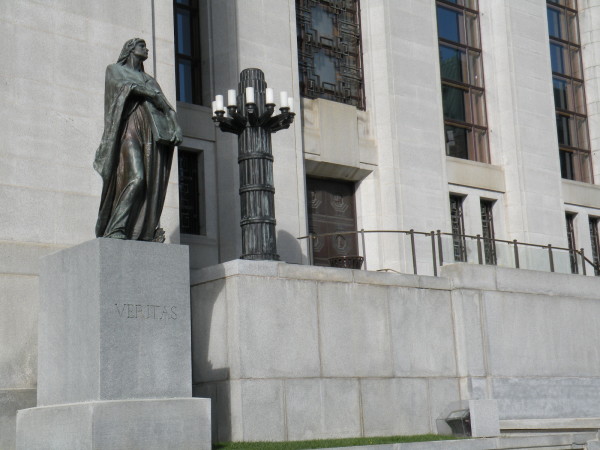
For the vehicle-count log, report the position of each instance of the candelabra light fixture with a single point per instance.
(249, 115)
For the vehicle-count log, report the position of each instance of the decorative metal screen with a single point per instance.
(487, 227)
(329, 50)
(570, 218)
(595, 239)
(458, 228)
(189, 193)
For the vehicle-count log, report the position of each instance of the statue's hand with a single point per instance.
(177, 136)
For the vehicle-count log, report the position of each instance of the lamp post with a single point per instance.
(249, 115)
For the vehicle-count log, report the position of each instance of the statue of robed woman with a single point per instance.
(135, 155)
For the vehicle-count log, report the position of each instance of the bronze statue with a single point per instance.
(135, 155)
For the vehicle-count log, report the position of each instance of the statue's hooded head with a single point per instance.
(127, 49)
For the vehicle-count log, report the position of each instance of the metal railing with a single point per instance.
(439, 257)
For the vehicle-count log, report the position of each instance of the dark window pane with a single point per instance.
(560, 93)
(325, 67)
(457, 141)
(554, 23)
(185, 81)
(183, 2)
(450, 24)
(562, 128)
(184, 32)
(452, 62)
(322, 21)
(454, 103)
(566, 165)
(557, 58)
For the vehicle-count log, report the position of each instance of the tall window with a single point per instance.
(463, 95)
(569, 91)
(595, 239)
(570, 219)
(329, 50)
(191, 192)
(487, 226)
(187, 51)
(458, 228)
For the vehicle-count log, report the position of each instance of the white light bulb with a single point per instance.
(284, 99)
(269, 96)
(250, 94)
(231, 97)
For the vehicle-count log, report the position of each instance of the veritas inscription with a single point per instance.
(153, 312)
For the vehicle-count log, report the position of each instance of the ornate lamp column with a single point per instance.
(250, 116)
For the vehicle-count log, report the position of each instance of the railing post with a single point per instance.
(441, 252)
(583, 261)
(433, 253)
(479, 252)
(516, 249)
(364, 248)
(551, 257)
(412, 248)
(311, 257)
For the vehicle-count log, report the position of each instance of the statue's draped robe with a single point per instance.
(127, 117)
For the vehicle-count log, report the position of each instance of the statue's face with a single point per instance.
(140, 50)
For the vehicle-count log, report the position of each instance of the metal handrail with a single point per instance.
(437, 253)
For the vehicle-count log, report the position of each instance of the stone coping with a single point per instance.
(275, 269)
(582, 423)
(453, 276)
(493, 278)
(521, 441)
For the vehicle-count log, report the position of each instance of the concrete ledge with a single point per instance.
(549, 441)
(232, 268)
(571, 424)
(182, 423)
(315, 273)
(493, 278)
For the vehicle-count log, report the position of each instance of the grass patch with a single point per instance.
(302, 445)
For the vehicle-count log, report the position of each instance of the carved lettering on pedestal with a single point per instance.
(152, 312)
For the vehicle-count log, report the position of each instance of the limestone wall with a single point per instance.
(299, 352)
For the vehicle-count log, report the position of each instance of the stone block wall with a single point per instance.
(292, 352)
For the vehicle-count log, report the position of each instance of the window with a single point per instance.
(461, 70)
(330, 209)
(487, 226)
(187, 51)
(458, 228)
(329, 50)
(571, 241)
(569, 91)
(191, 192)
(595, 240)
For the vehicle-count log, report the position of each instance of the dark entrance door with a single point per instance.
(331, 209)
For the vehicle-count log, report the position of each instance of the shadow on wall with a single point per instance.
(208, 381)
(289, 248)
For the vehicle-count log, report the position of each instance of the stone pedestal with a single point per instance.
(114, 363)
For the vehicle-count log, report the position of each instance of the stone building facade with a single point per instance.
(467, 116)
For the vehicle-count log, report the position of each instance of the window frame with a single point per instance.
(475, 150)
(195, 58)
(575, 153)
